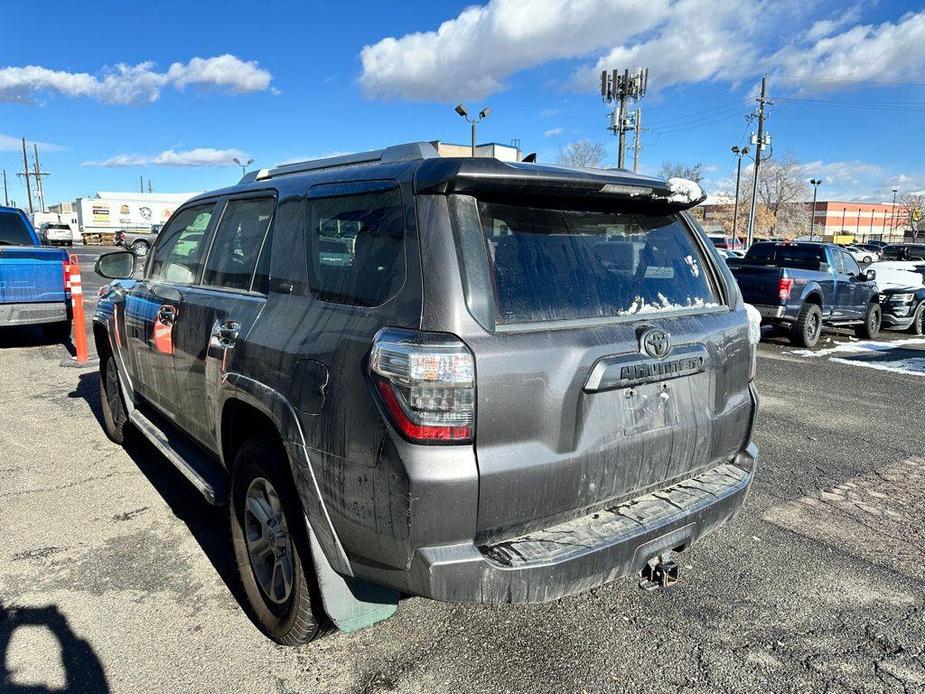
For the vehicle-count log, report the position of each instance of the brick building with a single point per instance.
(863, 220)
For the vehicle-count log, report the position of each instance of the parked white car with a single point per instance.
(863, 255)
(57, 234)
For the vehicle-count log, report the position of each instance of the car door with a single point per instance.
(217, 314)
(858, 293)
(152, 305)
(842, 306)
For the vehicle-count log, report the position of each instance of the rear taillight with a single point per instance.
(67, 276)
(426, 382)
(784, 285)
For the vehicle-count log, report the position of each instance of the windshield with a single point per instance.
(13, 231)
(557, 264)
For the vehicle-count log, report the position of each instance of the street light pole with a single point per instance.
(242, 164)
(463, 111)
(815, 182)
(893, 215)
(735, 212)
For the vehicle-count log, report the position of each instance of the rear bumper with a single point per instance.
(772, 312)
(33, 313)
(586, 552)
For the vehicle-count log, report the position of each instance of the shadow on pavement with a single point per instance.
(82, 668)
(28, 336)
(207, 523)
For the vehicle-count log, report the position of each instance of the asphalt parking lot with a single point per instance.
(116, 576)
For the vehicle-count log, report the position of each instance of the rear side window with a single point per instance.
(237, 243)
(178, 253)
(356, 247)
(13, 231)
(557, 264)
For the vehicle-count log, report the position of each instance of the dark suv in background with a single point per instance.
(458, 378)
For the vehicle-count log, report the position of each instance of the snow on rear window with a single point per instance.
(555, 264)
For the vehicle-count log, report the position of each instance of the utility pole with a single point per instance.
(618, 89)
(39, 185)
(25, 174)
(637, 127)
(149, 185)
(141, 184)
(739, 152)
(760, 143)
(6, 194)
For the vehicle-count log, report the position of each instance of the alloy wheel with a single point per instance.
(269, 546)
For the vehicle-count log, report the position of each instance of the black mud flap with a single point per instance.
(350, 603)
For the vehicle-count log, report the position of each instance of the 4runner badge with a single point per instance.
(656, 343)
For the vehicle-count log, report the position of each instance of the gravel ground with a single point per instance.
(115, 575)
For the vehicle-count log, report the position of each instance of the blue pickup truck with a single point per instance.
(33, 285)
(804, 287)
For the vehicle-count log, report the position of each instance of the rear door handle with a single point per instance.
(228, 333)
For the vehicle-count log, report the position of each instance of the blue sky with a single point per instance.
(203, 81)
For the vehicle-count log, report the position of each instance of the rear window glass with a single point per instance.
(558, 264)
(787, 255)
(13, 231)
(237, 243)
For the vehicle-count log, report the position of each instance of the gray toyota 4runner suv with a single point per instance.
(457, 378)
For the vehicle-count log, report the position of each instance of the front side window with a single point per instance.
(237, 243)
(356, 247)
(178, 254)
(850, 264)
(555, 264)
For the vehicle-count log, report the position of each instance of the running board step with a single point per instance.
(192, 463)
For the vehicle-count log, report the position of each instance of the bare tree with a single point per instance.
(909, 212)
(783, 190)
(582, 153)
(675, 169)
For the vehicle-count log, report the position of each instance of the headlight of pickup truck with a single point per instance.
(754, 337)
(904, 298)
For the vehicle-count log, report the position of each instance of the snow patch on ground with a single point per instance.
(912, 366)
(865, 345)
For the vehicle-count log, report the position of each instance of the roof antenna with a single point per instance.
(530, 158)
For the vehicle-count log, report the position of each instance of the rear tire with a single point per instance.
(808, 326)
(115, 414)
(271, 546)
(57, 332)
(870, 328)
(918, 320)
(868, 259)
(140, 249)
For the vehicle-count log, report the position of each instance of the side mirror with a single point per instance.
(116, 266)
(869, 275)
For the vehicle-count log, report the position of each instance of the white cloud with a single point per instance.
(553, 132)
(681, 41)
(128, 84)
(886, 52)
(8, 143)
(201, 156)
(469, 57)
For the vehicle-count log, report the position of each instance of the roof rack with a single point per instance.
(406, 152)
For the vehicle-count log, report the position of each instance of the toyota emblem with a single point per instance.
(656, 343)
